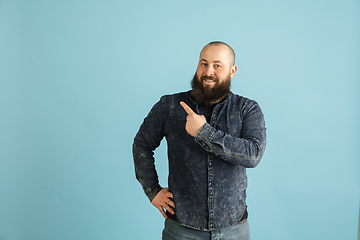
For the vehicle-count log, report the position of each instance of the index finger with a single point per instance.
(187, 109)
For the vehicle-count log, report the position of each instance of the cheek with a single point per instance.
(219, 76)
(223, 75)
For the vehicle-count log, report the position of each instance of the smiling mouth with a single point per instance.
(209, 81)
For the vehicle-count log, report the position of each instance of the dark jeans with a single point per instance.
(175, 231)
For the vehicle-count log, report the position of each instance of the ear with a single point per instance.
(233, 71)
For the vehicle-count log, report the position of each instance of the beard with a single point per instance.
(207, 95)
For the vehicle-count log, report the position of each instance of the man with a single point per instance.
(212, 136)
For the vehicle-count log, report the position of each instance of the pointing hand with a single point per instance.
(194, 122)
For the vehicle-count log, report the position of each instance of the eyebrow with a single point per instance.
(214, 61)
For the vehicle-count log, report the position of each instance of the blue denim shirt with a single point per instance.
(207, 174)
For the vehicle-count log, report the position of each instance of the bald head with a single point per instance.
(229, 51)
(215, 70)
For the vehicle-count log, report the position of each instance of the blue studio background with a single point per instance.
(78, 77)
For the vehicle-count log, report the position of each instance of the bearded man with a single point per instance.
(212, 136)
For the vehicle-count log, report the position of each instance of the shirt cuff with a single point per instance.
(205, 134)
(151, 193)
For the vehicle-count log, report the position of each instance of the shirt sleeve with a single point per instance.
(246, 150)
(147, 139)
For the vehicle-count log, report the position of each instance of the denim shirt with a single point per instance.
(207, 173)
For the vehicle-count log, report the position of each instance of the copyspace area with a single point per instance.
(78, 77)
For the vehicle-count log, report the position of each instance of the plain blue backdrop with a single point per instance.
(78, 77)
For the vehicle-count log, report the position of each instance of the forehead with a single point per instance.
(215, 53)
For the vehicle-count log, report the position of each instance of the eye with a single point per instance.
(217, 65)
(203, 64)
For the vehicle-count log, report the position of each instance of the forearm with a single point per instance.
(247, 148)
(246, 152)
(145, 169)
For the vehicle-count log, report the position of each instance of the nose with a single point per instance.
(209, 70)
